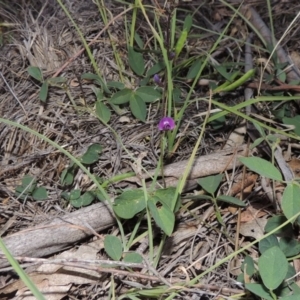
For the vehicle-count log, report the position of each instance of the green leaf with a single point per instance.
(167, 196)
(65, 195)
(210, 183)
(281, 75)
(272, 138)
(116, 85)
(97, 79)
(188, 22)
(257, 142)
(44, 91)
(129, 203)
(200, 197)
(163, 216)
(273, 267)
(280, 112)
(156, 68)
(40, 193)
(138, 107)
(100, 195)
(275, 222)
(130, 297)
(102, 111)
(290, 273)
(29, 181)
(121, 97)
(293, 121)
(268, 243)
(136, 61)
(223, 71)
(28, 185)
(176, 94)
(295, 288)
(290, 200)
(35, 72)
(84, 200)
(259, 290)
(133, 257)
(144, 81)
(56, 80)
(74, 194)
(113, 247)
(148, 93)
(262, 167)
(290, 297)
(92, 154)
(259, 129)
(68, 174)
(138, 40)
(98, 93)
(231, 200)
(184, 34)
(289, 246)
(90, 76)
(248, 266)
(218, 123)
(194, 69)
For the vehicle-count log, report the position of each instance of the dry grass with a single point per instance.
(42, 36)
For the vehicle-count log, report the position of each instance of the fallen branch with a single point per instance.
(203, 166)
(63, 232)
(60, 233)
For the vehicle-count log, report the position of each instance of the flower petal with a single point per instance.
(166, 123)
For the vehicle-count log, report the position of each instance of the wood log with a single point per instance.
(65, 231)
(60, 233)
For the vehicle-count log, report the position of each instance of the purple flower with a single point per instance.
(166, 123)
(157, 79)
(171, 55)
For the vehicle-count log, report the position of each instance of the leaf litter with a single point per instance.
(44, 37)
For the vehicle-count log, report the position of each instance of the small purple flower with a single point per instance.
(166, 123)
(157, 79)
(171, 55)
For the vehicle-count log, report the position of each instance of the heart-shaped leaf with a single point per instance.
(113, 247)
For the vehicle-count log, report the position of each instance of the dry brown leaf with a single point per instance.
(251, 213)
(74, 82)
(53, 280)
(294, 164)
(249, 182)
(254, 228)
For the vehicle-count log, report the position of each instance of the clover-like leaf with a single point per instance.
(148, 93)
(129, 203)
(138, 107)
(121, 97)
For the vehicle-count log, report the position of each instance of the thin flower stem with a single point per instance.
(150, 236)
